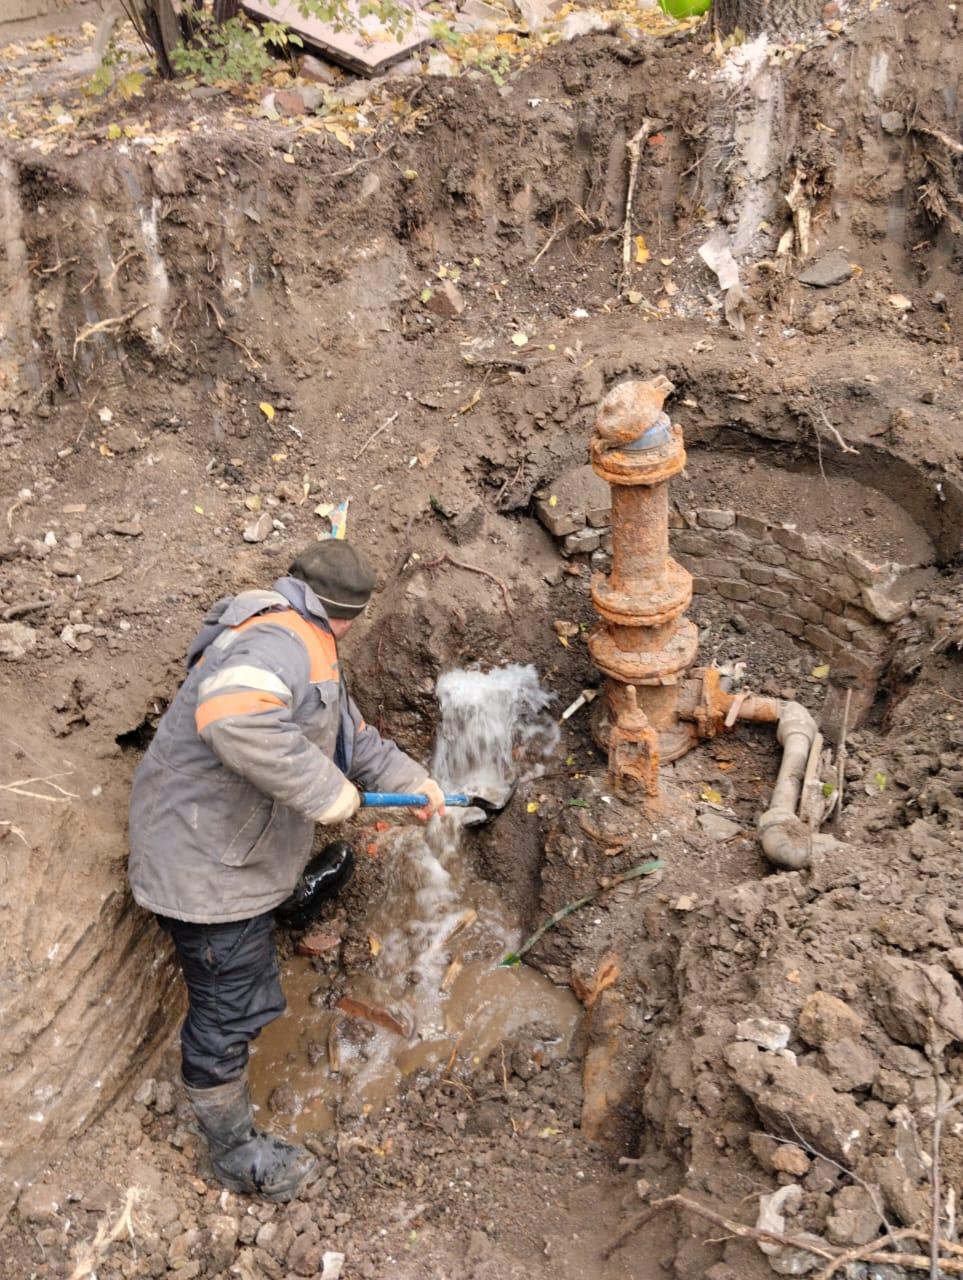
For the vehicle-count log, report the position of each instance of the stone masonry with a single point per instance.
(810, 586)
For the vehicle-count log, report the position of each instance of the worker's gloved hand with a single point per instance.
(345, 805)
(436, 800)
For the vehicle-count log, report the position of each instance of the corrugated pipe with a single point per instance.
(786, 841)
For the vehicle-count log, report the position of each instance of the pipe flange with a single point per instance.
(656, 666)
(663, 601)
(651, 466)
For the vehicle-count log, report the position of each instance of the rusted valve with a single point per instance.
(643, 644)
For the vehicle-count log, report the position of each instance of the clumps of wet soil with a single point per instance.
(406, 1195)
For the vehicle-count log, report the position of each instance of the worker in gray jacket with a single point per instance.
(261, 742)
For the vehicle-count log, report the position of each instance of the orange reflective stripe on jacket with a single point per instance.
(247, 703)
(321, 647)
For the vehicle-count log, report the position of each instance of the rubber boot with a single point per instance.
(323, 877)
(244, 1159)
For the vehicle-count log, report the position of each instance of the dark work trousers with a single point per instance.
(234, 989)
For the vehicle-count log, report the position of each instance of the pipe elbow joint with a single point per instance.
(786, 842)
(794, 718)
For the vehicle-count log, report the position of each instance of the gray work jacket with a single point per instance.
(243, 763)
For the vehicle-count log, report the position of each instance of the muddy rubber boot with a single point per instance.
(244, 1159)
(323, 877)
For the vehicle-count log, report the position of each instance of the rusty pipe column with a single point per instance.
(643, 644)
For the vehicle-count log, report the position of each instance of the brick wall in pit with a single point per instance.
(810, 586)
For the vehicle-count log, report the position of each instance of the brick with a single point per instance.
(807, 609)
(855, 614)
(770, 598)
(838, 626)
(714, 568)
(788, 622)
(827, 599)
(693, 544)
(787, 536)
(716, 519)
(675, 519)
(701, 587)
(584, 540)
(770, 555)
(811, 570)
(858, 666)
(606, 543)
(788, 580)
(844, 586)
(884, 607)
(864, 570)
(599, 517)
(870, 639)
(575, 492)
(752, 613)
(732, 590)
(733, 540)
(754, 527)
(558, 521)
(820, 639)
(758, 573)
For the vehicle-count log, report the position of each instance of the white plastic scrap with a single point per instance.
(333, 1264)
(717, 255)
(771, 1216)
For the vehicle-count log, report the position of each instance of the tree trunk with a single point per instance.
(774, 17)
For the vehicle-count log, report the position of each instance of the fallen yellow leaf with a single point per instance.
(642, 254)
(267, 410)
(531, 807)
(288, 158)
(374, 944)
(820, 673)
(711, 795)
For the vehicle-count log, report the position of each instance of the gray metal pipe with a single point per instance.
(785, 840)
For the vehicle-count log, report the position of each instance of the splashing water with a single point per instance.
(493, 724)
(436, 935)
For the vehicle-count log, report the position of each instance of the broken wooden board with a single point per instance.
(367, 48)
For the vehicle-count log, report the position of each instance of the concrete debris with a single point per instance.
(583, 22)
(482, 16)
(16, 641)
(893, 122)
(534, 13)
(332, 1265)
(439, 64)
(76, 636)
(364, 46)
(316, 69)
(259, 529)
(833, 268)
(764, 1032)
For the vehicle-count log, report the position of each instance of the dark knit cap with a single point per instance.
(337, 575)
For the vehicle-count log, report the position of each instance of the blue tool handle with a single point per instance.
(402, 800)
